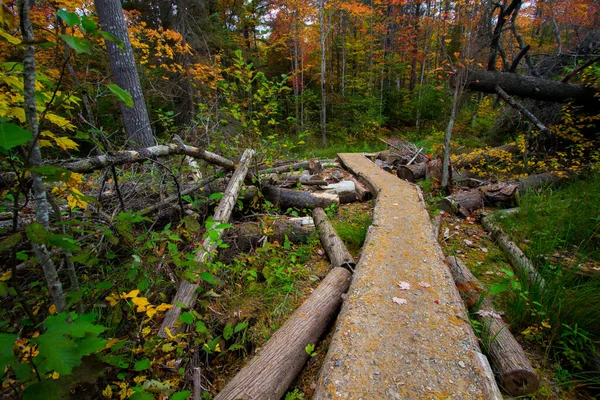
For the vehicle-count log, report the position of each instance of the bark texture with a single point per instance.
(122, 65)
(515, 373)
(285, 198)
(187, 291)
(334, 247)
(269, 374)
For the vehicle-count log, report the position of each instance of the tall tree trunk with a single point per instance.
(35, 157)
(296, 74)
(343, 22)
(122, 64)
(448, 137)
(323, 72)
(413, 68)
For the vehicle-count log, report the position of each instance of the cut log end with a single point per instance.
(520, 382)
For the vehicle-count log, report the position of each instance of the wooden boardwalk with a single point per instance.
(403, 332)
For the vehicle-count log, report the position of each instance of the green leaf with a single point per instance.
(112, 38)
(78, 44)
(91, 345)
(52, 174)
(10, 241)
(240, 327)
(201, 328)
(228, 332)
(7, 342)
(216, 196)
(70, 18)
(141, 395)
(223, 226)
(77, 326)
(208, 278)
(121, 94)
(186, 318)
(498, 287)
(214, 235)
(57, 353)
(48, 389)
(191, 223)
(183, 395)
(235, 346)
(88, 25)
(142, 365)
(12, 135)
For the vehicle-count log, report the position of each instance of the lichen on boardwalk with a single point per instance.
(393, 342)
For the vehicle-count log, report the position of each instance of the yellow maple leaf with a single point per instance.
(111, 300)
(45, 143)
(59, 121)
(55, 375)
(151, 312)
(130, 295)
(164, 307)
(76, 199)
(168, 331)
(66, 144)
(6, 276)
(107, 392)
(139, 379)
(146, 331)
(141, 302)
(52, 309)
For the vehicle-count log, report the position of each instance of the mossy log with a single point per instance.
(515, 373)
(269, 374)
(187, 292)
(334, 247)
(286, 198)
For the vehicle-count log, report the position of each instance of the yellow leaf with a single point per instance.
(52, 309)
(168, 331)
(66, 144)
(111, 300)
(146, 331)
(168, 347)
(48, 134)
(140, 302)
(36, 334)
(59, 121)
(164, 307)
(218, 348)
(139, 379)
(131, 294)
(45, 143)
(6, 276)
(151, 312)
(107, 392)
(111, 343)
(55, 375)
(9, 38)
(448, 40)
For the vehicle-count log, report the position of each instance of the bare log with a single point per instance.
(521, 109)
(516, 375)
(345, 190)
(285, 198)
(187, 291)
(334, 247)
(135, 156)
(526, 86)
(412, 173)
(515, 255)
(269, 374)
(362, 192)
(297, 166)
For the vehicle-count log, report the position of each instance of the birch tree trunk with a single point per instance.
(323, 74)
(122, 64)
(40, 198)
(448, 137)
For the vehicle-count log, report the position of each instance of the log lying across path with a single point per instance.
(466, 202)
(515, 255)
(187, 291)
(335, 248)
(285, 198)
(269, 374)
(516, 375)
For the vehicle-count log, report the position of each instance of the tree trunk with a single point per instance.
(412, 173)
(524, 111)
(187, 291)
(333, 245)
(446, 161)
(516, 375)
(40, 198)
(526, 86)
(269, 374)
(323, 74)
(122, 64)
(363, 193)
(286, 198)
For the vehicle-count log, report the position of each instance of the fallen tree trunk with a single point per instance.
(345, 190)
(298, 166)
(334, 247)
(466, 202)
(516, 375)
(515, 255)
(524, 111)
(286, 198)
(135, 156)
(187, 292)
(526, 86)
(269, 374)
(362, 192)
(412, 173)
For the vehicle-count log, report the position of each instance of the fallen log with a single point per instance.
(269, 374)
(334, 247)
(345, 190)
(362, 192)
(466, 202)
(516, 375)
(286, 198)
(515, 255)
(412, 173)
(187, 292)
(524, 111)
(136, 156)
(297, 166)
(526, 86)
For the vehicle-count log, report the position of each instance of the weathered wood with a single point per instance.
(412, 173)
(526, 86)
(515, 255)
(297, 166)
(315, 167)
(521, 109)
(466, 202)
(516, 375)
(345, 190)
(187, 291)
(269, 374)
(135, 156)
(286, 198)
(362, 192)
(334, 247)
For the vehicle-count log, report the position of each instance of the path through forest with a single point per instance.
(403, 332)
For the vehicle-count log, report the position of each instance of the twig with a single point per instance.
(579, 69)
(114, 172)
(415, 157)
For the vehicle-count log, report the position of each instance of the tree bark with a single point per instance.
(269, 374)
(321, 5)
(521, 109)
(516, 375)
(187, 291)
(515, 255)
(412, 173)
(135, 156)
(526, 86)
(334, 247)
(362, 192)
(122, 64)
(286, 198)
(446, 161)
